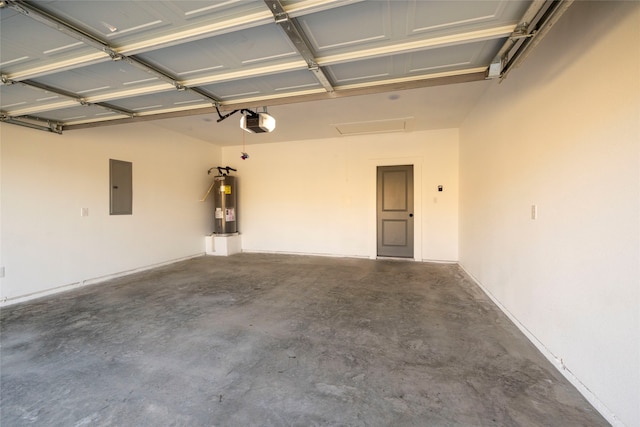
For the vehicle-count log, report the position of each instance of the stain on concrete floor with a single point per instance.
(278, 340)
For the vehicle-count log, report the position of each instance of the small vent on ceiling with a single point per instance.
(376, 126)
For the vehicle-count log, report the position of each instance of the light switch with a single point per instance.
(534, 212)
(84, 211)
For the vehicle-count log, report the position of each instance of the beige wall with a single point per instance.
(563, 133)
(48, 178)
(318, 197)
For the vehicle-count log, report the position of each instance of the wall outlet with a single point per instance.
(534, 211)
(1, 271)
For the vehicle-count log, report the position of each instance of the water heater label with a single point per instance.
(227, 189)
(230, 214)
(218, 213)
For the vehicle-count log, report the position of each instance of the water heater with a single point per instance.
(225, 210)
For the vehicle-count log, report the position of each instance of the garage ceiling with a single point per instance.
(72, 64)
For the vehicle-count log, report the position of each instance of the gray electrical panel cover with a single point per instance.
(120, 187)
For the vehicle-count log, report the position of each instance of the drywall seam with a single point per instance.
(548, 354)
(87, 282)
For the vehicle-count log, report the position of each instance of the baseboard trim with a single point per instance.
(439, 261)
(257, 251)
(87, 282)
(434, 261)
(549, 355)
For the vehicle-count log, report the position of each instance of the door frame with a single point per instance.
(416, 162)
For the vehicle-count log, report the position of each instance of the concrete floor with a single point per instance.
(271, 340)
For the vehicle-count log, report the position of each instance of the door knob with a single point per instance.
(410, 215)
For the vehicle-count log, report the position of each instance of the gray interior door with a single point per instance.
(395, 211)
